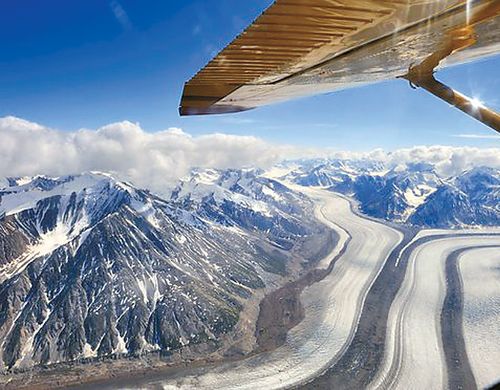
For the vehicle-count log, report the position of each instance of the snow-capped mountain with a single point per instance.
(246, 199)
(91, 266)
(327, 173)
(411, 193)
(473, 198)
(394, 195)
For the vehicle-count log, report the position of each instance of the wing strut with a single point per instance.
(458, 39)
(469, 106)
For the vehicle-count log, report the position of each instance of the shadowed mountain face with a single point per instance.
(247, 200)
(412, 193)
(90, 266)
(469, 199)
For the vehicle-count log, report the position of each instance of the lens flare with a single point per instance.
(476, 103)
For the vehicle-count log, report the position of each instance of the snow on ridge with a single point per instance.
(29, 191)
(45, 245)
(417, 195)
(72, 221)
(147, 210)
(48, 241)
(219, 185)
(273, 194)
(206, 176)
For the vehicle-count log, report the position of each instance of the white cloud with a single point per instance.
(177, 131)
(447, 160)
(151, 160)
(158, 160)
(120, 14)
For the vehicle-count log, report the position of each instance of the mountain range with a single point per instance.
(411, 193)
(91, 266)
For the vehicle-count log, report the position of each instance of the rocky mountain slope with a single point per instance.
(246, 199)
(411, 193)
(470, 199)
(91, 266)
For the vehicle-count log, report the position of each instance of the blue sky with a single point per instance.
(84, 64)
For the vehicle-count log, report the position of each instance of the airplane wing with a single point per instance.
(299, 48)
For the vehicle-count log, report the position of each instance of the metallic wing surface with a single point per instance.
(299, 48)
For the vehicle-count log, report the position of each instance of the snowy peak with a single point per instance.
(470, 199)
(49, 213)
(411, 193)
(479, 180)
(24, 194)
(247, 200)
(245, 188)
(414, 185)
(91, 266)
(334, 172)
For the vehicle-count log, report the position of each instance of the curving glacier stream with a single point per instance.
(413, 349)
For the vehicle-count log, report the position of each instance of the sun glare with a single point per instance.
(476, 103)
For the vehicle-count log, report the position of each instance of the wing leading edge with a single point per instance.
(299, 48)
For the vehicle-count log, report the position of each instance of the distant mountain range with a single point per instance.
(246, 199)
(92, 266)
(411, 193)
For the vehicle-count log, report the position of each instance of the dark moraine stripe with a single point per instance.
(460, 375)
(282, 309)
(363, 357)
(356, 372)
